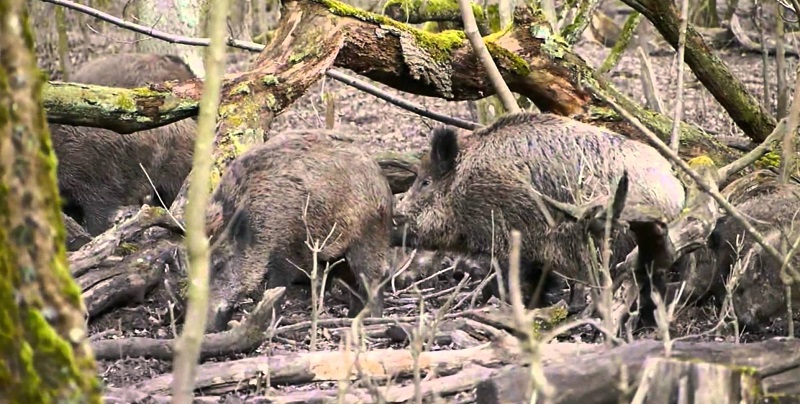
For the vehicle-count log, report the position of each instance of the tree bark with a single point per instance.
(533, 61)
(731, 93)
(180, 17)
(45, 356)
(607, 377)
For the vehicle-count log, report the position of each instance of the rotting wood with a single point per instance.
(218, 378)
(96, 251)
(673, 380)
(598, 377)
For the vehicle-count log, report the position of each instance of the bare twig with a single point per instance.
(483, 55)
(787, 147)
(529, 344)
(758, 21)
(676, 160)
(674, 139)
(187, 348)
(254, 47)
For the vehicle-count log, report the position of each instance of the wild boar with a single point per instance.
(759, 294)
(131, 70)
(255, 220)
(98, 169)
(471, 189)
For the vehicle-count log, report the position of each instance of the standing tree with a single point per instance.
(45, 356)
(185, 17)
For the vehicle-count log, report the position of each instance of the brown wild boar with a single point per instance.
(131, 70)
(469, 187)
(98, 169)
(758, 297)
(256, 226)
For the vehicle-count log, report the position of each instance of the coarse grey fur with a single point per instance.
(98, 169)
(469, 184)
(256, 228)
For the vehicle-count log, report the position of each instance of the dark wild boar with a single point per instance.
(759, 295)
(98, 169)
(466, 185)
(256, 227)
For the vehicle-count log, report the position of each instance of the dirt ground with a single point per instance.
(380, 126)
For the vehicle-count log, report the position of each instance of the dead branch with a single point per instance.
(77, 236)
(218, 378)
(725, 173)
(243, 337)
(611, 376)
(749, 45)
(96, 251)
(124, 280)
(729, 91)
(98, 106)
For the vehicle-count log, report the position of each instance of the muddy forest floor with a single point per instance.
(380, 126)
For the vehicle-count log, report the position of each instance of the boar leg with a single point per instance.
(367, 259)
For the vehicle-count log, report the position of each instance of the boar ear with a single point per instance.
(444, 149)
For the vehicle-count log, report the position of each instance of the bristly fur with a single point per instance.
(759, 298)
(98, 169)
(458, 203)
(266, 192)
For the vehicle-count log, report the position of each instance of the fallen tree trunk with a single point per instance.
(531, 59)
(611, 376)
(309, 367)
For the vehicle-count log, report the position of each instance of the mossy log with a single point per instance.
(417, 12)
(612, 376)
(314, 35)
(44, 350)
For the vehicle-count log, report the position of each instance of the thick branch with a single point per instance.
(243, 337)
(731, 93)
(121, 110)
(532, 61)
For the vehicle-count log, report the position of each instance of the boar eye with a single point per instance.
(426, 182)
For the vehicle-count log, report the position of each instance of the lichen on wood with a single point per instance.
(121, 110)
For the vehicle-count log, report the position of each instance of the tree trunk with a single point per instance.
(179, 17)
(44, 352)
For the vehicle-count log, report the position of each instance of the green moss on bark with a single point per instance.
(44, 355)
(440, 46)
